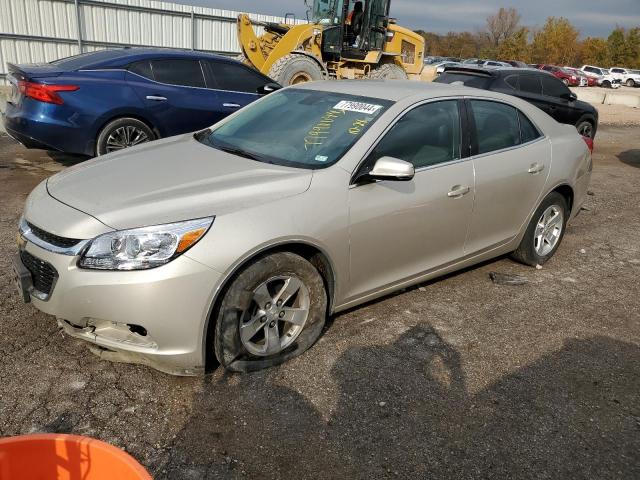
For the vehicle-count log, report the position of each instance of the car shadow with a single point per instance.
(67, 159)
(630, 157)
(404, 410)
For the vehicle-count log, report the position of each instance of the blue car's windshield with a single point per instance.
(297, 127)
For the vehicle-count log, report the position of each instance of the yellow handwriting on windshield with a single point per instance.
(322, 130)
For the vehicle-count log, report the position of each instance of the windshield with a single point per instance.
(297, 127)
(327, 12)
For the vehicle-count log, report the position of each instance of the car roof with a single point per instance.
(123, 56)
(394, 90)
(494, 72)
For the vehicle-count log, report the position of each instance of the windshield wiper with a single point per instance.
(238, 151)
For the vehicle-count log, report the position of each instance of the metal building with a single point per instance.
(44, 30)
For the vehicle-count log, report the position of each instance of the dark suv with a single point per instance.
(538, 87)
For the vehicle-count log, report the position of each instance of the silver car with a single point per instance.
(236, 243)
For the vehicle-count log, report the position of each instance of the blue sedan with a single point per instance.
(99, 102)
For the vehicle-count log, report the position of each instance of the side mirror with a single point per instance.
(389, 168)
(268, 88)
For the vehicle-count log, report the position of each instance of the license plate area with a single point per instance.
(22, 279)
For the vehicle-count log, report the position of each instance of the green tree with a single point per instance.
(556, 43)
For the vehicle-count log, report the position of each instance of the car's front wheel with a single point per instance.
(123, 133)
(273, 310)
(545, 231)
(586, 128)
(631, 83)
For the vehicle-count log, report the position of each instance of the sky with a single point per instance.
(591, 17)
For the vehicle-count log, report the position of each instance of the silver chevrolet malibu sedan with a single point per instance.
(235, 243)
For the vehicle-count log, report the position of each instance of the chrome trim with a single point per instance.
(27, 234)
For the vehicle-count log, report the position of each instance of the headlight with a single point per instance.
(142, 248)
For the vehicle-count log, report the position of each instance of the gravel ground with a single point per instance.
(457, 378)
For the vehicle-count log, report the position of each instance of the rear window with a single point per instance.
(530, 84)
(468, 79)
(553, 87)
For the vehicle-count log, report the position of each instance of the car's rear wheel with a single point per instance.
(585, 128)
(274, 310)
(545, 231)
(565, 81)
(606, 84)
(123, 133)
(631, 83)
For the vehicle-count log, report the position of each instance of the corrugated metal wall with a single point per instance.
(44, 30)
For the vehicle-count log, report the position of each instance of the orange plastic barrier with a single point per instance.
(65, 457)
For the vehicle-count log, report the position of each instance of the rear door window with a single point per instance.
(530, 84)
(497, 125)
(173, 71)
(553, 87)
(236, 77)
(528, 131)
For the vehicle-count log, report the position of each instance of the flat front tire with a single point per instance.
(545, 231)
(273, 310)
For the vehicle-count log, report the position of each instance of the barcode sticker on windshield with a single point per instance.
(358, 107)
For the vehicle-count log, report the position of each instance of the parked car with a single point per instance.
(585, 80)
(630, 78)
(602, 75)
(236, 243)
(98, 102)
(570, 79)
(517, 64)
(493, 63)
(538, 87)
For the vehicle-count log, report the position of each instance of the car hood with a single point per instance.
(171, 180)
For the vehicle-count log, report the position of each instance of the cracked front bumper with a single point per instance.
(155, 317)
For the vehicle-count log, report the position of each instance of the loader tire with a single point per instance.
(388, 71)
(293, 69)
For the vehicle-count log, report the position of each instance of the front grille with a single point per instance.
(43, 274)
(52, 239)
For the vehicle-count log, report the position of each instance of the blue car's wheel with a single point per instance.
(123, 133)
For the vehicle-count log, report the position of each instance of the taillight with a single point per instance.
(45, 93)
(589, 142)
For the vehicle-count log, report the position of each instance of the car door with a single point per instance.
(511, 162)
(558, 100)
(237, 84)
(175, 93)
(400, 230)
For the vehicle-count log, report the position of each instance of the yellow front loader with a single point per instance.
(343, 39)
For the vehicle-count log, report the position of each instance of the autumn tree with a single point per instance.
(594, 51)
(515, 47)
(556, 43)
(502, 25)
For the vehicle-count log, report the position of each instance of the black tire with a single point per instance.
(238, 299)
(110, 128)
(631, 83)
(606, 84)
(565, 81)
(388, 71)
(586, 128)
(526, 252)
(295, 68)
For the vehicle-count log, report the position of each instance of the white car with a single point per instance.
(605, 78)
(630, 78)
(441, 66)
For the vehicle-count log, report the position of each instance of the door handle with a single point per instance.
(156, 98)
(535, 168)
(458, 191)
(231, 105)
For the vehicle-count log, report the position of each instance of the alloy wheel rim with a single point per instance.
(548, 230)
(278, 313)
(585, 130)
(125, 137)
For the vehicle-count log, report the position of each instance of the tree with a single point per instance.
(619, 53)
(556, 43)
(515, 47)
(594, 51)
(502, 25)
